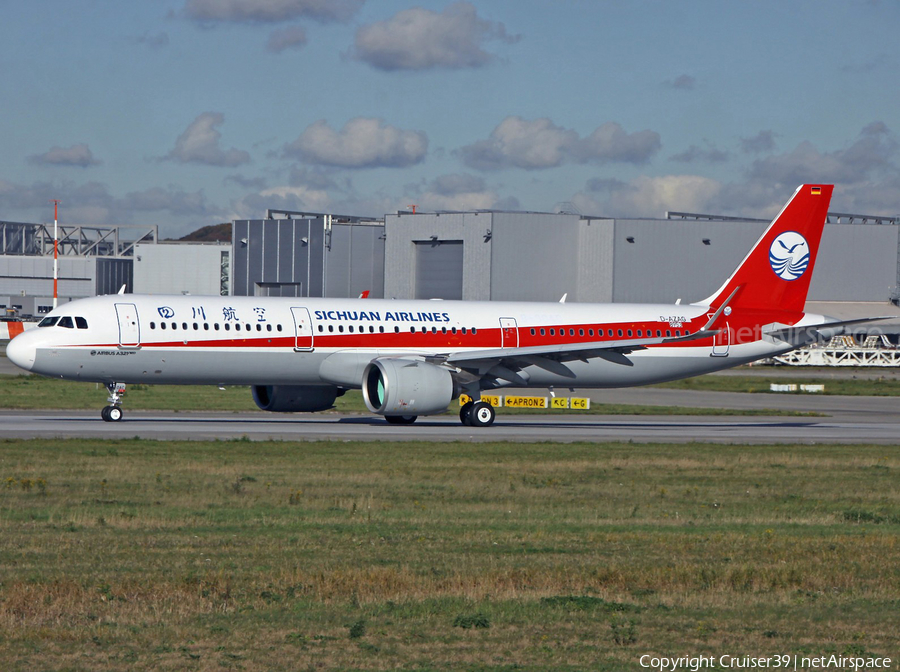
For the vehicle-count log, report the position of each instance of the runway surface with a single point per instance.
(849, 420)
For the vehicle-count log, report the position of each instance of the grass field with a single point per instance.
(863, 386)
(374, 556)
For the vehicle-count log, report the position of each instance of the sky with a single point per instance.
(186, 113)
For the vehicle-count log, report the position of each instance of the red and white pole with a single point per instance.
(55, 254)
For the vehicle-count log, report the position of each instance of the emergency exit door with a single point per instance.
(509, 333)
(303, 330)
(129, 330)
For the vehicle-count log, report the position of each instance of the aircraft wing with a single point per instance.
(505, 363)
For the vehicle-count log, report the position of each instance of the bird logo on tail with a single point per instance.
(789, 255)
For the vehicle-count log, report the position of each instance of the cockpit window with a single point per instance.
(81, 323)
(48, 321)
(66, 322)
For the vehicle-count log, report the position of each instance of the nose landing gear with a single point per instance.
(113, 412)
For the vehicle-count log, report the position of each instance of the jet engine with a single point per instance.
(294, 398)
(406, 386)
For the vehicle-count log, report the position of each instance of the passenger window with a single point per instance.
(658, 333)
(678, 332)
(216, 326)
(174, 325)
(269, 327)
(553, 332)
(543, 333)
(331, 328)
(341, 328)
(434, 330)
(321, 329)
(279, 327)
(639, 333)
(590, 332)
(380, 329)
(162, 325)
(571, 332)
(424, 329)
(184, 325)
(350, 328)
(474, 330)
(206, 326)
(464, 330)
(152, 325)
(609, 332)
(581, 332)
(66, 322)
(620, 332)
(668, 333)
(629, 333)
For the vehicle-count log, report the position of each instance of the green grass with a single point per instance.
(26, 391)
(331, 555)
(841, 386)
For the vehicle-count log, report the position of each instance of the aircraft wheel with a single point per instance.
(482, 414)
(465, 412)
(114, 414)
(104, 413)
(401, 419)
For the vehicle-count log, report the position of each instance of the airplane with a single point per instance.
(413, 358)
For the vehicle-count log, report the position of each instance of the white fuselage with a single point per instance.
(286, 341)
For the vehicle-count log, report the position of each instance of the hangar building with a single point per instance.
(308, 254)
(92, 260)
(543, 256)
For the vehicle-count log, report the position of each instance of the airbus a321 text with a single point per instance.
(413, 358)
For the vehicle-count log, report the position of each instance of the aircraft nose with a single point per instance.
(20, 352)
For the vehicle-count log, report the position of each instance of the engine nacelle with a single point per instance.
(406, 387)
(294, 398)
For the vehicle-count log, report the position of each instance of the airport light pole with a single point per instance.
(55, 254)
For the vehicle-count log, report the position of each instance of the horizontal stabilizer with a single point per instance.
(813, 332)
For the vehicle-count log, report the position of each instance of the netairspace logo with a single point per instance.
(789, 255)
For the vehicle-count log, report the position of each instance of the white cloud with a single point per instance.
(420, 39)
(79, 155)
(651, 196)
(270, 11)
(157, 41)
(537, 144)
(764, 141)
(363, 142)
(871, 154)
(459, 192)
(199, 143)
(682, 83)
(695, 154)
(287, 38)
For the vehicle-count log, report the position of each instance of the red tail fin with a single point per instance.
(777, 271)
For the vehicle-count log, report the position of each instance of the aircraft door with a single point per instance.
(129, 330)
(721, 341)
(303, 330)
(509, 333)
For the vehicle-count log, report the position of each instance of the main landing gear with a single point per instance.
(477, 414)
(113, 412)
